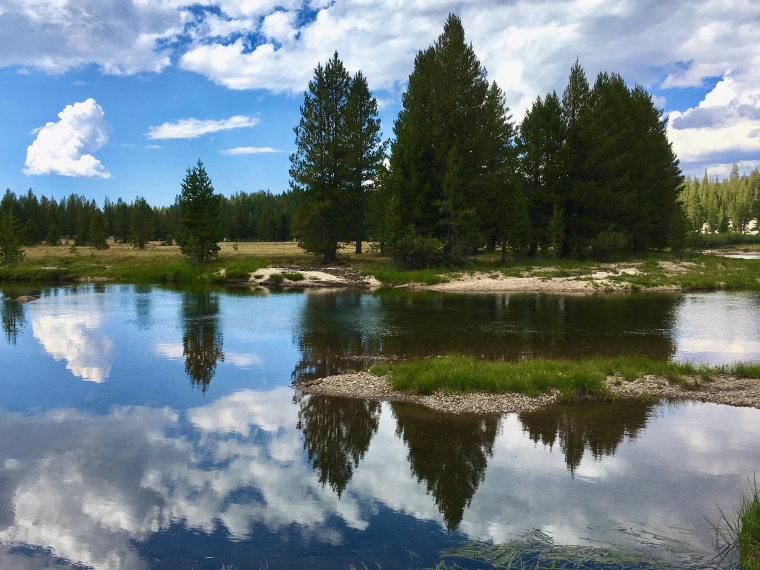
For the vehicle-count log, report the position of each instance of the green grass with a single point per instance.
(390, 275)
(132, 269)
(740, 533)
(749, 532)
(572, 378)
(293, 276)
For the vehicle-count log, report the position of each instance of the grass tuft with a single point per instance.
(741, 532)
(390, 275)
(572, 378)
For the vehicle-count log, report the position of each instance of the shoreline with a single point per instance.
(723, 389)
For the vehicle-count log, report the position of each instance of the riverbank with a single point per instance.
(721, 389)
(286, 265)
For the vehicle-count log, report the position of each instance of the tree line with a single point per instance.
(587, 173)
(721, 206)
(256, 216)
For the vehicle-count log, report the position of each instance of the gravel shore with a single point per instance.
(723, 389)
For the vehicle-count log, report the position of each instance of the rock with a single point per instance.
(25, 299)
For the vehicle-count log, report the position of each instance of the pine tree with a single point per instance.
(98, 230)
(10, 238)
(140, 223)
(541, 146)
(29, 232)
(365, 154)
(199, 218)
(53, 237)
(320, 171)
(451, 118)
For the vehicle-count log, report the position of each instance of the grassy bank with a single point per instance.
(155, 264)
(165, 264)
(749, 532)
(572, 378)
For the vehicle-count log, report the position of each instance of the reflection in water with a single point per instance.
(342, 331)
(337, 433)
(13, 318)
(332, 326)
(202, 336)
(598, 427)
(142, 306)
(70, 329)
(449, 453)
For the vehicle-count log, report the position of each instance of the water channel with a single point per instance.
(153, 428)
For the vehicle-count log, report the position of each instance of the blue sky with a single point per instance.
(118, 97)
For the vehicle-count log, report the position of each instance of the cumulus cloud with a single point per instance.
(193, 128)
(57, 36)
(66, 147)
(249, 150)
(723, 128)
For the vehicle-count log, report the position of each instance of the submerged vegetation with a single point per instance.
(572, 378)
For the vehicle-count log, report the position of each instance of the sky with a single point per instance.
(117, 98)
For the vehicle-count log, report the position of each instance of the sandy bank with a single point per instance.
(480, 282)
(723, 389)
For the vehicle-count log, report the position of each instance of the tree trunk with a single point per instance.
(358, 246)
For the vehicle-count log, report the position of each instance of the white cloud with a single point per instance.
(723, 128)
(193, 128)
(249, 150)
(121, 37)
(66, 147)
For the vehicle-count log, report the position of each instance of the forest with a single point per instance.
(588, 173)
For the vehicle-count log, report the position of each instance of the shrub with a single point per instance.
(609, 243)
(413, 251)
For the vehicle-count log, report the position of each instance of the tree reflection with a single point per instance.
(448, 452)
(599, 427)
(337, 433)
(13, 319)
(329, 330)
(202, 337)
(142, 306)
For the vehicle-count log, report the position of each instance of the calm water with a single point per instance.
(148, 428)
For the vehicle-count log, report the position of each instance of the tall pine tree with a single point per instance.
(447, 168)
(199, 216)
(320, 172)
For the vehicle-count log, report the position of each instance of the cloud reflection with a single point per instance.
(91, 489)
(75, 336)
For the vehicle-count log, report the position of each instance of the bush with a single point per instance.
(608, 244)
(413, 251)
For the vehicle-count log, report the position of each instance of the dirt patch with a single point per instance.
(723, 389)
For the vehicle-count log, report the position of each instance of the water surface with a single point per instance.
(151, 428)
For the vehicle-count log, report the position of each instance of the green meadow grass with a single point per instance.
(572, 378)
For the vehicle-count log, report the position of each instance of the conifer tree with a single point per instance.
(98, 230)
(541, 146)
(199, 216)
(451, 119)
(140, 223)
(10, 238)
(319, 172)
(365, 154)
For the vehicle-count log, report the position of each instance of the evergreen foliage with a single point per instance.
(449, 167)
(140, 223)
(10, 237)
(721, 206)
(338, 148)
(98, 230)
(198, 236)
